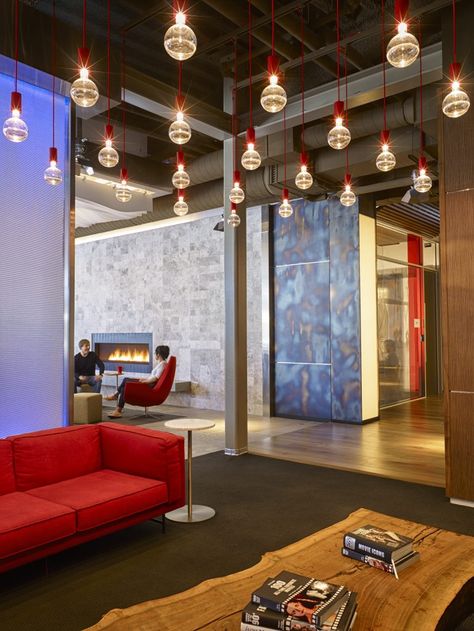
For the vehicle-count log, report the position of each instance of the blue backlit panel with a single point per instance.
(32, 246)
(304, 390)
(345, 312)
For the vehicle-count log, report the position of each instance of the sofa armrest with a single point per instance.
(147, 453)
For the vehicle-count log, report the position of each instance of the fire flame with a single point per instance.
(132, 355)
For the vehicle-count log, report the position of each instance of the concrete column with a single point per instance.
(456, 154)
(235, 285)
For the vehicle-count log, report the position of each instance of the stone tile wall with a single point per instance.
(170, 281)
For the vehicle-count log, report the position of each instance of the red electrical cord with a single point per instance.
(180, 77)
(250, 64)
(273, 27)
(122, 69)
(338, 51)
(302, 81)
(234, 110)
(17, 29)
(454, 32)
(108, 62)
(383, 68)
(84, 21)
(345, 75)
(422, 142)
(284, 145)
(53, 60)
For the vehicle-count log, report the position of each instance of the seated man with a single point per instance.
(84, 367)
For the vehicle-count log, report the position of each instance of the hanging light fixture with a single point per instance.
(403, 48)
(180, 178)
(422, 182)
(386, 160)
(14, 128)
(339, 136)
(236, 195)
(285, 210)
(180, 208)
(273, 98)
(457, 102)
(108, 156)
(180, 41)
(84, 91)
(179, 131)
(233, 218)
(122, 191)
(53, 175)
(303, 179)
(347, 196)
(250, 158)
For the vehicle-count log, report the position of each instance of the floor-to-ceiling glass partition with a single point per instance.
(402, 317)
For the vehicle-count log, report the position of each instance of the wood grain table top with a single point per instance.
(418, 601)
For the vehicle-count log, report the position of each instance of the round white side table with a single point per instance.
(192, 512)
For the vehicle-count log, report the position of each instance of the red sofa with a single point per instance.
(62, 487)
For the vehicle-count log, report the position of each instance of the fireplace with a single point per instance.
(132, 351)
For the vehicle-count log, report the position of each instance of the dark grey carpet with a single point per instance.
(262, 504)
(127, 419)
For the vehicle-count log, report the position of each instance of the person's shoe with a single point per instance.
(115, 414)
(112, 397)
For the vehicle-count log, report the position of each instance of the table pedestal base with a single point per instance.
(198, 513)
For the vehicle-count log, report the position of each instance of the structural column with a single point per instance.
(235, 285)
(457, 270)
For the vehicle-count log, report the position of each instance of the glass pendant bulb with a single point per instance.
(84, 91)
(303, 179)
(14, 128)
(403, 48)
(236, 195)
(251, 158)
(273, 98)
(180, 208)
(457, 102)
(53, 175)
(285, 210)
(108, 156)
(386, 160)
(180, 178)
(233, 218)
(180, 41)
(422, 182)
(179, 131)
(339, 136)
(347, 197)
(122, 191)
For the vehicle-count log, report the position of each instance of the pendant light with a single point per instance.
(285, 210)
(347, 197)
(180, 178)
(456, 103)
(386, 160)
(53, 175)
(273, 98)
(236, 195)
(14, 128)
(180, 41)
(122, 191)
(84, 91)
(250, 158)
(403, 48)
(339, 136)
(179, 130)
(303, 179)
(180, 208)
(233, 219)
(422, 181)
(108, 156)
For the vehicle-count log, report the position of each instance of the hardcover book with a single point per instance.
(301, 597)
(385, 545)
(393, 568)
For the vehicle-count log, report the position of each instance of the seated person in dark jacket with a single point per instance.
(84, 367)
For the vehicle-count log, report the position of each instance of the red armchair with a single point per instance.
(141, 394)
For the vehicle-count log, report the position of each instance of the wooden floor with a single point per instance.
(406, 444)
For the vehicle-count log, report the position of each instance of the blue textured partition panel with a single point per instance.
(316, 312)
(32, 238)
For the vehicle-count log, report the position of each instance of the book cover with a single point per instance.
(262, 617)
(381, 544)
(342, 619)
(392, 568)
(301, 597)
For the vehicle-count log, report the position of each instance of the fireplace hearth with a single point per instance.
(132, 351)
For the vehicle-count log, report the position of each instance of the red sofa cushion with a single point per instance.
(7, 476)
(145, 452)
(104, 496)
(53, 455)
(28, 522)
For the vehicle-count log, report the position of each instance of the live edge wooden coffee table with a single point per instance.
(435, 593)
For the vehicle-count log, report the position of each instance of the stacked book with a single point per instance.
(291, 602)
(383, 549)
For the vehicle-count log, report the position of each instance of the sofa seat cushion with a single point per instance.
(104, 496)
(28, 522)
